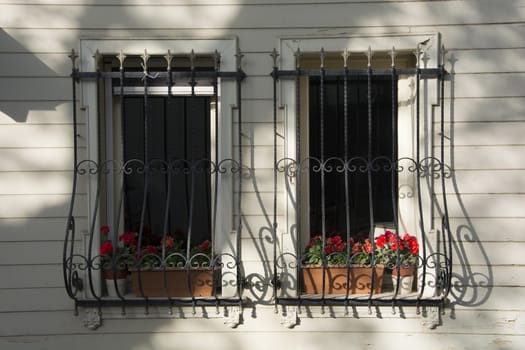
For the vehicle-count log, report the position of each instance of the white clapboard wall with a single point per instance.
(486, 195)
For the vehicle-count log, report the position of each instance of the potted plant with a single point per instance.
(400, 253)
(329, 269)
(169, 269)
(116, 259)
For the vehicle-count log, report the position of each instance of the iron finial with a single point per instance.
(345, 55)
(322, 55)
(239, 55)
(168, 58)
(443, 54)
(274, 55)
(98, 58)
(297, 56)
(192, 60)
(73, 56)
(145, 57)
(417, 53)
(121, 57)
(216, 60)
(393, 55)
(369, 53)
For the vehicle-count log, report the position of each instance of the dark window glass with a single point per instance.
(177, 132)
(383, 186)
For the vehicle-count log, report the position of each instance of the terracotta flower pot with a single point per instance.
(405, 275)
(115, 280)
(359, 279)
(173, 283)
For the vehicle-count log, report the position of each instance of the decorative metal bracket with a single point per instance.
(431, 317)
(232, 316)
(93, 320)
(289, 317)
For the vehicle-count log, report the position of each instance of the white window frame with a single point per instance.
(225, 234)
(407, 206)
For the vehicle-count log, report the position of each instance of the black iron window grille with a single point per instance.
(154, 183)
(366, 169)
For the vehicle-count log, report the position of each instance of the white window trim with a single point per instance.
(407, 209)
(225, 234)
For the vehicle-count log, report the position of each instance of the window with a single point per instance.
(349, 139)
(173, 137)
(158, 172)
(359, 131)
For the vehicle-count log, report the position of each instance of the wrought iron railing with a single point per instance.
(94, 255)
(432, 258)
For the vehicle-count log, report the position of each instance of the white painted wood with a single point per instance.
(261, 180)
(488, 253)
(476, 36)
(31, 276)
(37, 159)
(257, 110)
(488, 229)
(485, 157)
(43, 252)
(487, 322)
(36, 89)
(487, 85)
(260, 340)
(488, 60)
(45, 205)
(485, 109)
(38, 112)
(31, 229)
(34, 65)
(269, 15)
(480, 36)
(495, 134)
(258, 87)
(490, 276)
(257, 203)
(30, 299)
(261, 157)
(40, 136)
(37, 182)
(494, 181)
(485, 196)
(486, 205)
(257, 134)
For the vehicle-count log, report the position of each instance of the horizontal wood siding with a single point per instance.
(485, 114)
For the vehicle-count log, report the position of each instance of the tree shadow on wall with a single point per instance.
(28, 83)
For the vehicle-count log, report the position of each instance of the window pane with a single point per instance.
(177, 132)
(332, 144)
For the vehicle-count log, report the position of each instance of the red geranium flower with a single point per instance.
(168, 242)
(367, 247)
(106, 248)
(104, 229)
(205, 245)
(128, 238)
(150, 249)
